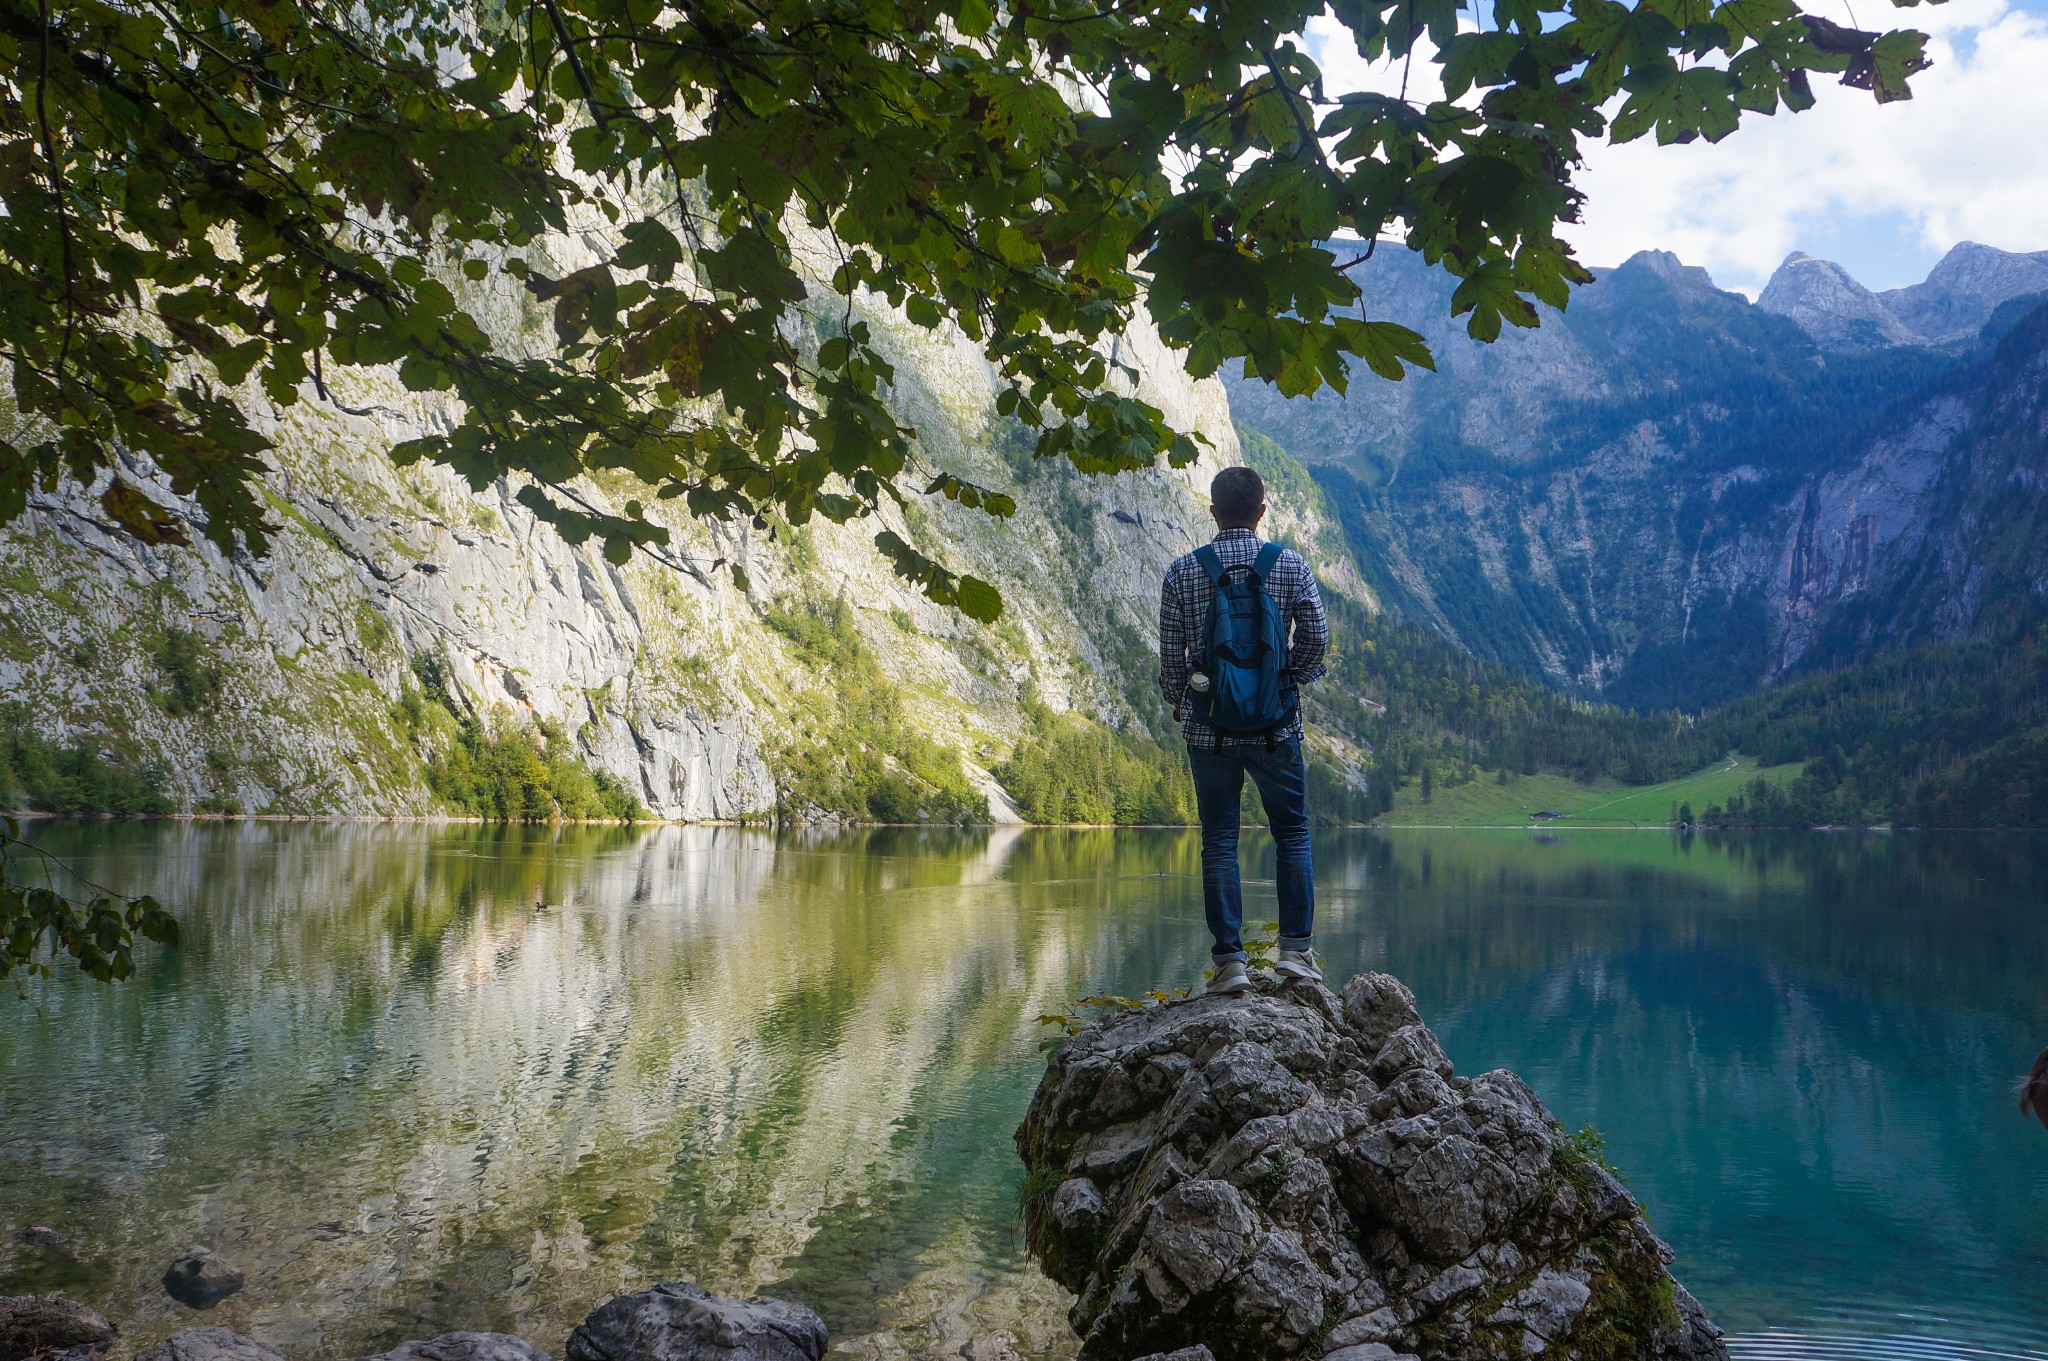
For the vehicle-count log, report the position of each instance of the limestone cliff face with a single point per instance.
(1934, 530)
(671, 679)
(1668, 495)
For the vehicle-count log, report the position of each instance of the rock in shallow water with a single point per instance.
(210, 1344)
(37, 1325)
(201, 1279)
(1280, 1175)
(679, 1322)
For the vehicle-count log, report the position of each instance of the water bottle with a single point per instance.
(1198, 681)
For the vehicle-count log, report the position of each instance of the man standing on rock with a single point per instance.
(1241, 628)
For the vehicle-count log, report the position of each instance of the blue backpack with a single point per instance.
(1245, 655)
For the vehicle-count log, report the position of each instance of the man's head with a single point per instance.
(1237, 498)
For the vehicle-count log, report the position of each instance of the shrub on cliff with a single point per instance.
(1068, 769)
(519, 772)
(39, 775)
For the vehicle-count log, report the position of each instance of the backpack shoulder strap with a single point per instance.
(1210, 563)
(1268, 559)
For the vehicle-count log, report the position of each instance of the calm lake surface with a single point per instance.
(421, 1078)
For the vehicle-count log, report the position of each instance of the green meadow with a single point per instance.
(1486, 802)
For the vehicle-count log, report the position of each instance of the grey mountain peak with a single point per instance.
(1954, 302)
(1965, 288)
(1668, 267)
(1838, 312)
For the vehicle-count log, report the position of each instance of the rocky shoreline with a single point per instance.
(673, 1321)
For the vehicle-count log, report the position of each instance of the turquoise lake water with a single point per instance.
(420, 1078)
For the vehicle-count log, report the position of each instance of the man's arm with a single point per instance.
(1173, 643)
(1311, 632)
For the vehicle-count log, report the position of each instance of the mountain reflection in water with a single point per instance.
(420, 1078)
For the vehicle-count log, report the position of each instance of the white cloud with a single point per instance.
(1344, 71)
(1965, 159)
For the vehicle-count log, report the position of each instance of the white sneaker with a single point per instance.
(1299, 964)
(1230, 977)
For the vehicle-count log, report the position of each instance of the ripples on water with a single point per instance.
(414, 1079)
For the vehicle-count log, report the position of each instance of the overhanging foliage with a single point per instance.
(207, 205)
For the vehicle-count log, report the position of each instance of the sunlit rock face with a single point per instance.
(665, 674)
(1287, 1174)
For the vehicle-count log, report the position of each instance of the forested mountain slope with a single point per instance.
(1670, 496)
(1944, 735)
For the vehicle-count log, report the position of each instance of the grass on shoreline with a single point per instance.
(1604, 803)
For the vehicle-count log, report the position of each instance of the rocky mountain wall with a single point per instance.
(1668, 495)
(279, 684)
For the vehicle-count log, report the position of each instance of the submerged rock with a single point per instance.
(1281, 1174)
(465, 1347)
(210, 1344)
(44, 1325)
(201, 1279)
(40, 1236)
(677, 1321)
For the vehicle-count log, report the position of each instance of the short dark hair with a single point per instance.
(1237, 493)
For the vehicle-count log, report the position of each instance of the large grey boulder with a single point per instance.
(201, 1279)
(1284, 1174)
(465, 1347)
(44, 1325)
(210, 1344)
(677, 1321)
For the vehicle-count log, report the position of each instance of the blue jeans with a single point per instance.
(1282, 778)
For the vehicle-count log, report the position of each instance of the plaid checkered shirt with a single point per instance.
(1184, 599)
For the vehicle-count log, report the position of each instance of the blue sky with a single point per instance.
(1884, 190)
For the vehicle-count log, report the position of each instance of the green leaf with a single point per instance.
(979, 600)
(1754, 18)
(1682, 106)
(651, 246)
(1885, 69)
(1386, 346)
(973, 17)
(1489, 294)
(421, 374)
(1477, 59)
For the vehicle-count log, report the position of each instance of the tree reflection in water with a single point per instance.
(416, 1078)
